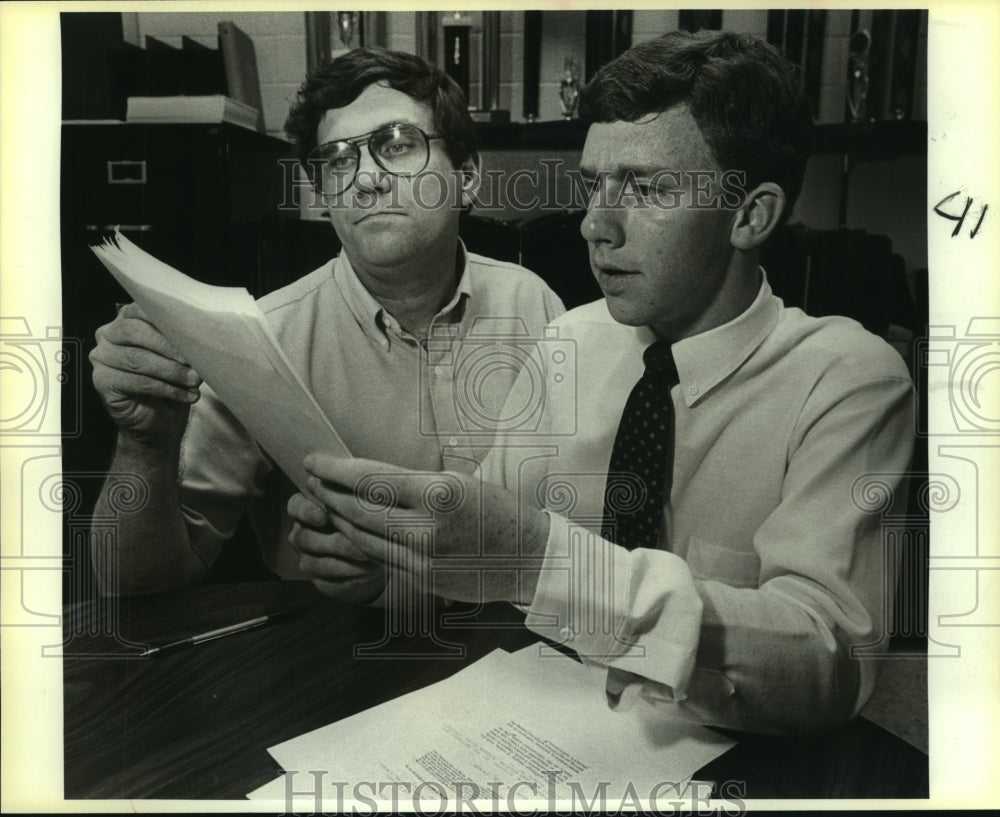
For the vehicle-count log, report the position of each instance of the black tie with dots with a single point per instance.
(641, 467)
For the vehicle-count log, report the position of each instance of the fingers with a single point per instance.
(133, 328)
(349, 471)
(335, 537)
(320, 532)
(330, 570)
(306, 512)
(622, 689)
(133, 359)
(316, 534)
(341, 502)
(374, 546)
(352, 591)
(313, 532)
(138, 374)
(326, 560)
(326, 543)
(378, 486)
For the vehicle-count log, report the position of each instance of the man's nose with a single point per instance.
(602, 225)
(371, 178)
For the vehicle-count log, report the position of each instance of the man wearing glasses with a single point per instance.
(389, 145)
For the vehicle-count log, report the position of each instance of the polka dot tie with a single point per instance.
(641, 467)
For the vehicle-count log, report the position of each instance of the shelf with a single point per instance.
(230, 129)
(550, 135)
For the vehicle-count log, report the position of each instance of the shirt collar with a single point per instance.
(706, 359)
(464, 289)
(373, 318)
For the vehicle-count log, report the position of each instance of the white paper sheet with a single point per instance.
(522, 726)
(223, 334)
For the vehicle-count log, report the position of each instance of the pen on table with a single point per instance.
(222, 632)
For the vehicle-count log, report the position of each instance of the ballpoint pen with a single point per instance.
(222, 632)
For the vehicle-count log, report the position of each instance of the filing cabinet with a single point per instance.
(205, 198)
(185, 192)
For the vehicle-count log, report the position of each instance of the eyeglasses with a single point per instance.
(401, 150)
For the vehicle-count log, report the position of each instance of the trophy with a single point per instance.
(569, 87)
(858, 76)
(347, 28)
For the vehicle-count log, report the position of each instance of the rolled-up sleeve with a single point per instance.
(223, 471)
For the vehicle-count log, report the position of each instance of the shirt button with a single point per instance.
(452, 441)
(693, 390)
(566, 634)
(439, 371)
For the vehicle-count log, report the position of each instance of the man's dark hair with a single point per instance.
(745, 97)
(341, 81)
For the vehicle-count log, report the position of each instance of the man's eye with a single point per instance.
(397, 148)
(590, 187)
(340, 163)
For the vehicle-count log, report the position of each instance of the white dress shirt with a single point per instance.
(771, 566)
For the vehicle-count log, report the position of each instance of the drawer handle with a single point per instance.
(125, 171)
(124, 228)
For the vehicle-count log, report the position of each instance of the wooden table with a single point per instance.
(195, 723)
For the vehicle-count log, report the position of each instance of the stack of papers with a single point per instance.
(213, 108)
(512, 729)
(223, 334)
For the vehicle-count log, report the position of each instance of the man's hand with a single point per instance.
(146, 386)
(466, 539)
(328, 559)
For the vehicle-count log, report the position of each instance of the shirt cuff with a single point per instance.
(636, 611)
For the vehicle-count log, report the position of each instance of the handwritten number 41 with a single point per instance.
(960, 220)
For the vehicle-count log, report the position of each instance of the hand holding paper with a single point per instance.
(385, 511)
(329, 559)
(144, 383)
(222, 333)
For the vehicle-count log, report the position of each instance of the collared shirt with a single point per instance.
(771, 565)
(390, 397)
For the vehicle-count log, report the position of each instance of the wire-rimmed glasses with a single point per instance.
(399, 149)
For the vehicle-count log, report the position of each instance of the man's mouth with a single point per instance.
(377, 213)
(615, 281)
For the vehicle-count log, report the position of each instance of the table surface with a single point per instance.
(195, 723)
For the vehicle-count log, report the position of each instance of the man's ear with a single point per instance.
(758, 217)
(470, 179)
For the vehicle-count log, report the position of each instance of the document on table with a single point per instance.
(531, 725)
(223, 334)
